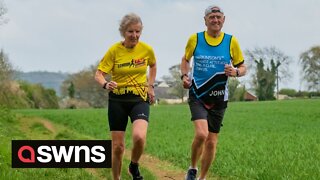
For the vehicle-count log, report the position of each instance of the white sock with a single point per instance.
(190, 167)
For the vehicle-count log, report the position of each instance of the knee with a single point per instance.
(201, 136)
(139, 139)
(211, 144)
(118, 148)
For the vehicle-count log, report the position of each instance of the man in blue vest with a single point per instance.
(216, 56)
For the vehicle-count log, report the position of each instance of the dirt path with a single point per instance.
(161, 169)
(47, 124)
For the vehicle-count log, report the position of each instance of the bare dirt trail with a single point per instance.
(161, 169)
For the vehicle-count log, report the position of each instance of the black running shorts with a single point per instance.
(213, 116)
(119, 111)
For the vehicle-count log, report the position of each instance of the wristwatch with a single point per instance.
(105, 85)
(181, 77)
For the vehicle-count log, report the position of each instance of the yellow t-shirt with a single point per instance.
(128, 67)
(235, 51)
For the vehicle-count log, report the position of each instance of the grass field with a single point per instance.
(258, 140)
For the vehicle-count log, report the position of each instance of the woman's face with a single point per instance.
(132, 35)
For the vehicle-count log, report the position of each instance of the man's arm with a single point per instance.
(185, 68)
(242, 70)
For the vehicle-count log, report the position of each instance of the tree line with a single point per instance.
(20, 94)
(267, 66)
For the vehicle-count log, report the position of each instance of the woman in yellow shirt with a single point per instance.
(131, 91)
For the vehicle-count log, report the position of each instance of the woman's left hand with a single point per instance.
(151, 95)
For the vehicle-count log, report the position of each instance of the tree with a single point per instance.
(6, 74)
(288, 92)
(261, 81)
(71, 90)
(236, 90)
(39, 97)
(6, 69)
(270, 66)
(15, 94)
(265, 81)
(3, 11)
(233, 83)
(85, 88)
(175, 81)
(310, 61)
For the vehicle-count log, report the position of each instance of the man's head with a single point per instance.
(212, 9)
(214, 18)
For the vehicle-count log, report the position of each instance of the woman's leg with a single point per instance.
(118, 147)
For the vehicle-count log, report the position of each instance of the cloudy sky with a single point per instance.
(70, 35)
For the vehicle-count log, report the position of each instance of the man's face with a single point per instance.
(214, 21)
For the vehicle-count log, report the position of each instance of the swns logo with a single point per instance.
(61, 153)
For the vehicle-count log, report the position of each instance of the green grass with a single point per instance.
(92, 122)
(259, 140)
(76, 124)
(270, 140)
(8, 132)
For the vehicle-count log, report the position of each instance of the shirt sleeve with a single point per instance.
(152, 59)
(107, 62)
(236, 53)
(190, 47)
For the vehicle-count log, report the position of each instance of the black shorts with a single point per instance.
(119, 111)
(213, 116)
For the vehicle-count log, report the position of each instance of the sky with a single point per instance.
(71, 35)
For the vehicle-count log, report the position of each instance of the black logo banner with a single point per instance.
(61, 153)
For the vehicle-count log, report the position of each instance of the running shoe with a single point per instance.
(134, 171)
(191, 174)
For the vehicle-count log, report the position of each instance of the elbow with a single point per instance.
(244, 69)
(153, 67)
(183, 60)
(97, 75)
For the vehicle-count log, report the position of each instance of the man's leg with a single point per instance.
(209, 153)
(201, 133)
(117, 152)
(199, 115)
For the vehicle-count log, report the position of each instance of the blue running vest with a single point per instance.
(209, 82)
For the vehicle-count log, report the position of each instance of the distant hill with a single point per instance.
(51, 80)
